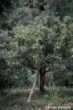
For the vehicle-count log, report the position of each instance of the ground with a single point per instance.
(17, 99)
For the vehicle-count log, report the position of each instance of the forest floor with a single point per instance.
(17, 99)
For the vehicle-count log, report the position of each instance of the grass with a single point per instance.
(17, 100)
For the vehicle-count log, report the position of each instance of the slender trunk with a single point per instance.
(31, 3)
(42, 81)
(42, 78)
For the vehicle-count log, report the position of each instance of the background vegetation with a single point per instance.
(36, 37)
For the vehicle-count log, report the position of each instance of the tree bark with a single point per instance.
(42, 78)
(31, 3)
(42, 81)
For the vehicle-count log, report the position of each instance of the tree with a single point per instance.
(34, 45)
(45, 48)
(44, 45)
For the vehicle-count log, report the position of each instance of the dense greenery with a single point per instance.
(36, 51)
(36, 36)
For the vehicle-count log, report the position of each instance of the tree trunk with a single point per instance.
(42, 81)
(31, 3)
(42, 78)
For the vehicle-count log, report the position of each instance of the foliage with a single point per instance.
(41, 41)
(36, 36)
(51, 47)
